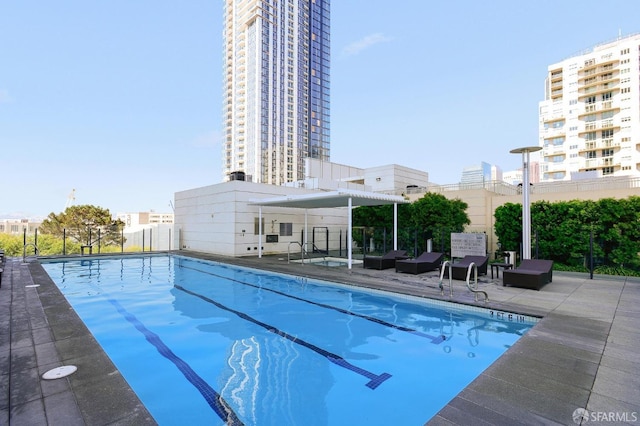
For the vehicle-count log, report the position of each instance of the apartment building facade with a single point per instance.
(589, 121)
(276, 88)
(19, 226)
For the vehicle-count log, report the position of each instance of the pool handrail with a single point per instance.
(289, 251)
(474, 290)
(24, 251)
(302, 251)
(445, 263)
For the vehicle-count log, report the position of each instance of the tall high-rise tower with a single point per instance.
(276, 87)
(590, 118)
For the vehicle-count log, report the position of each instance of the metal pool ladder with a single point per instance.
(474, 289)
(302, 251)
(444, 264)
(24, 251)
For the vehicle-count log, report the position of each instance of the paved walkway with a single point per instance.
(583, 354)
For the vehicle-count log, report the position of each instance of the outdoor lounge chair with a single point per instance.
(531, 273)
(423, 263)
(459, 269)
(383, 262)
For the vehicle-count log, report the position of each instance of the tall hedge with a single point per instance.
(561, 231)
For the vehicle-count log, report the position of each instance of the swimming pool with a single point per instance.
(207, 343)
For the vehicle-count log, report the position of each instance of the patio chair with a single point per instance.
(459, 268)
(531, 273)
(423, 263)
(385, 261)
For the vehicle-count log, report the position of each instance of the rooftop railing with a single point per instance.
(503, 188)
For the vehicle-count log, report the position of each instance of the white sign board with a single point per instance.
(468, 244)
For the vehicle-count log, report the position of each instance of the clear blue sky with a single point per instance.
(122, 99)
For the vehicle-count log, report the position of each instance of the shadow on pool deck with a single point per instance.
(584, 353)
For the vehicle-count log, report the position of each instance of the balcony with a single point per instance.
(556, 75)
(598, 163)
(597, 90)
(592, 67)
(595, 126)
(555, 166)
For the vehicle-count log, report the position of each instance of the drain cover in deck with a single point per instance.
(59, 372)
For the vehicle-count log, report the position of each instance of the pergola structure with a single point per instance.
(332, 199)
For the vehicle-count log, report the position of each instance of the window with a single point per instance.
(606, 134)
(607, 152)
(606, 114)
(591, 154)
(256, 228)
(607, 171)
(286, 229)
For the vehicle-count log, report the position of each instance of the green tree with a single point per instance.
(433, 215)
(84, 224)
(435, 211)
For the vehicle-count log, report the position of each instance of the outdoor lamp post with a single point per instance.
(526, 208)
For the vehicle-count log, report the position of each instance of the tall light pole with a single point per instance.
(526, 208)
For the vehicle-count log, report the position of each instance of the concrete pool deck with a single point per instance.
(583, 354)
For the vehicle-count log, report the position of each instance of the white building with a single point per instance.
(228, 219)
(391, 178)
(19, 226)
(589, 120)
(276, 88)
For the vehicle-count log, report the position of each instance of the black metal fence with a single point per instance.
(35, 243)
(585, 251)
(589, 251)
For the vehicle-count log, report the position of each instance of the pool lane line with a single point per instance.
(375, 380)
(213, 398)
(434, 339)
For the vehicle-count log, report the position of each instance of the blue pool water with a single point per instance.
(203, 343)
